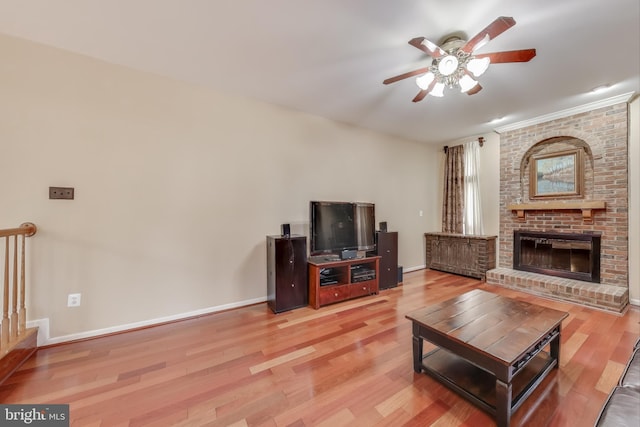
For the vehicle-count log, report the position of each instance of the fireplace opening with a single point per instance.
(573, 256)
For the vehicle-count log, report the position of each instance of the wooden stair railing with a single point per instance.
(17, 342)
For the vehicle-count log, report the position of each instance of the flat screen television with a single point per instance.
(339, 226)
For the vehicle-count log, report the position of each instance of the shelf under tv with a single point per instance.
(348, 280)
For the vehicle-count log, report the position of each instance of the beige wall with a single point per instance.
(176, 187)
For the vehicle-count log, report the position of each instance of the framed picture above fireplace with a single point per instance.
(556, 175)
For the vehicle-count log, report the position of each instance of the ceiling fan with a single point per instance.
(455, 64)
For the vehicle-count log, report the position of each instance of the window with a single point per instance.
(472, 212)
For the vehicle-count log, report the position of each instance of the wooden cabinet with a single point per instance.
(387, 249)
(335, 281)
(287, 285)
(463, 254)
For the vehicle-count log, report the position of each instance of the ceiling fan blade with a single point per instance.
(477, 88)
(492, 31)
(420, 96)
(427, 47)
(406, 75)
(523, 55)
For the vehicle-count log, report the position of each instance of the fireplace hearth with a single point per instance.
(572, 256)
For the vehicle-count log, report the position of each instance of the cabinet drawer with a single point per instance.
(359, 289)
(331, 294)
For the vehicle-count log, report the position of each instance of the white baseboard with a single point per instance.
(44, 337)
(43, 330)
(415, 268)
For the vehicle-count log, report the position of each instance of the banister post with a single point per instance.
(22, 312)
(31, 228)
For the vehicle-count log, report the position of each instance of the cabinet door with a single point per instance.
(387, 248)
(291, 273)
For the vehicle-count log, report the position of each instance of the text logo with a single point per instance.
(34, 415)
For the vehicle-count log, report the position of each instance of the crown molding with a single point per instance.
(625, 97)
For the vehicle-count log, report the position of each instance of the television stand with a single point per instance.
(341, 280)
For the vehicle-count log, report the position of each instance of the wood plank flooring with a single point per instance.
(344, 364)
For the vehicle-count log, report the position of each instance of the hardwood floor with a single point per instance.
(344, 364)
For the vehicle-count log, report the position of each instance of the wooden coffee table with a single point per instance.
(493, 350)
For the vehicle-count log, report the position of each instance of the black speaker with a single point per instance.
(399, 274)
(286, 230)
(383, 226)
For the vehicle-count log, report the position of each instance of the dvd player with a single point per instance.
(363, 278)
(362, 274)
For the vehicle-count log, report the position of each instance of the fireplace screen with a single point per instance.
(573, 256)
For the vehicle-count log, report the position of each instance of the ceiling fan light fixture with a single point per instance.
(454, 64)
(477, 66)
(448, 65)
(425, 80)
(438, 90)
(466, 83)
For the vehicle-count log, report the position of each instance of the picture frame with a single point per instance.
(556, 175)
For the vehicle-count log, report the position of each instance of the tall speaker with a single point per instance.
(285, 230)
(387, 249)
(287, 284)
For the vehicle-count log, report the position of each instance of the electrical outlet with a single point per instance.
(73, 300)
(65, 193)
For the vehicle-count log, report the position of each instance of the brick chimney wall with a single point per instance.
(603, 135)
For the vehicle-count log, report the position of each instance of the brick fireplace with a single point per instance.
(600, 137)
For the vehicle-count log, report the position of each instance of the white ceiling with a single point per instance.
(329, 57)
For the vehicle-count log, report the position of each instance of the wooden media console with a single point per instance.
(335, 281)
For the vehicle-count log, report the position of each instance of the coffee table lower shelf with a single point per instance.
(478, 385)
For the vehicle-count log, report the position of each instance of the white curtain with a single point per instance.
(472, 206)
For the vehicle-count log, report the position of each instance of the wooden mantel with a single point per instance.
(586, 206)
